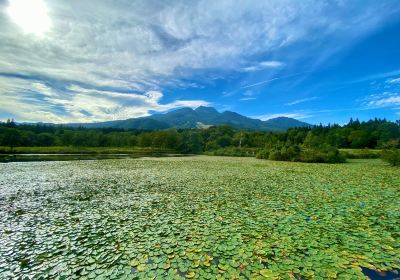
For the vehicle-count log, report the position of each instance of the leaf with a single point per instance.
(266, 273)
(141, 267)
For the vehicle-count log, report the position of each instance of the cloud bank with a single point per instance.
(385, 99)
(104, 60)
(38, 102)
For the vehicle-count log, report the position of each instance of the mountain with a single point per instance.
(284, 123)
(200, 117)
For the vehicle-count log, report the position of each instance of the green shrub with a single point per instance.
(311, 155)
(285, 153)
(361, 153)
(326, 154)
(276, 155)
(333, 155)
(391, 156)
(263, 154)
(233, 152)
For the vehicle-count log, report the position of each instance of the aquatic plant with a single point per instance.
(198, 218)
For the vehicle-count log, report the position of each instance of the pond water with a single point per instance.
(198, 218)
(67, 157)
(386, 275)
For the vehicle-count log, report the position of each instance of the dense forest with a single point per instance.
(297, 144)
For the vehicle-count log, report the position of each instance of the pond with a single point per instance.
(198, 217)
(67, 157)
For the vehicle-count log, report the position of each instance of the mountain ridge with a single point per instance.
(196, 118)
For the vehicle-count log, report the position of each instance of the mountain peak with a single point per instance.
(182, 110)
(202, 116)
(285, 123)
(206, 109)
(280, 118)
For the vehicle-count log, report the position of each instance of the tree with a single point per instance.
(192, 142)
(312, 140)
(45, 139)
(10, 123)
(391, 156)
(375, 133)
(11, 138)
(224, 141)
(145, 140)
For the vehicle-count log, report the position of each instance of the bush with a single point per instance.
(263, 154)
(233, 152)
(276, 155)
(335, 156)
(361, 153)
(283, 153)
(295, 153)
(286, 153)
(391, 156)
(326, 155)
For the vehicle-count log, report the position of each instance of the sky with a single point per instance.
(319, 61)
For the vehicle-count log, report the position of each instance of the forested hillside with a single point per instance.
(372, 134)
(186, 118)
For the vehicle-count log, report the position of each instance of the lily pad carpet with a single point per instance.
(198, 218)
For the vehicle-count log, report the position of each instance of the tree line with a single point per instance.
(296, 144)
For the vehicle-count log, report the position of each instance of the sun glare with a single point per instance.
(31, 16)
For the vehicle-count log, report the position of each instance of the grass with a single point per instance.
(61, 153)
(62, 157)
(81, 150)
(361, 153)
(198, 217)
(233, 152)
(247, 152)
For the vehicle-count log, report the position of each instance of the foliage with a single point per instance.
(281, 145)
(187, 118)
(233, 152)
(391, 156)
(84, 150)
(65, 157)
(198, 217)
(324, 154)
(361, 153)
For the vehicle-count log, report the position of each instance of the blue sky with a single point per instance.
(86, 61)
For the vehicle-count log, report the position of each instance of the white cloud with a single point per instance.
(249, 93)
(33, 101)
(42, 89)
(301, 101)
(271, 64)
(144, 46)
(384, 102)
(273, 79)
(259, 83)
(141, 44)
(264, 65)
(247, 98)
(393, 81)
(298, 116)
(382, 75)
(386, 99)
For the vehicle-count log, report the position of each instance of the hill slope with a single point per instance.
(200, 117)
